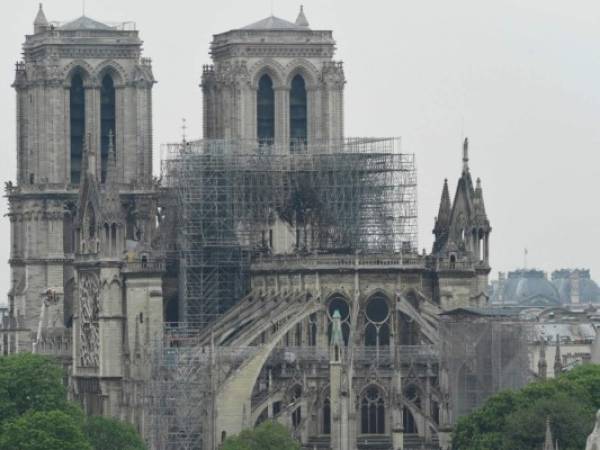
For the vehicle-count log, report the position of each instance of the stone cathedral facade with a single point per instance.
(87, 266)
(82, 210)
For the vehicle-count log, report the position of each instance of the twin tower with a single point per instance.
(84, 210)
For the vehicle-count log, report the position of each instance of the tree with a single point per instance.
(44, 430)
(515, 420)
(267, 436)
(30, 382)
(110, 434)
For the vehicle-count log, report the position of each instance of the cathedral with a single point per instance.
(271, 272)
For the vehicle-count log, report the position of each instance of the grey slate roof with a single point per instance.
(85, 23)
(485, 311)
(589, 292)
(273, 23)
(527, 288)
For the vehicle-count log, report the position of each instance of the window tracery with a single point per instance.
(89, 311)
(377, 329)
(372, 411)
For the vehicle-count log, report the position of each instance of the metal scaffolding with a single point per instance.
(228, 197)
(481, 356)
(185, 372)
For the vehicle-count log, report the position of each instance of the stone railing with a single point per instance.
(383, 355)
(150, 266)
(334, 262)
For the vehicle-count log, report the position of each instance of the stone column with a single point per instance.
(92, 121)
(119, 132)
(312, 114)
(282, 115)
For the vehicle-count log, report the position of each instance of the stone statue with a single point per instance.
(593, 441)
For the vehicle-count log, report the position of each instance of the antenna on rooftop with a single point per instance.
(525, 252)
(83, 7)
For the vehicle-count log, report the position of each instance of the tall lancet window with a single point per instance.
(298, 112)
(107, 120)
(77, 124)
(265, 111)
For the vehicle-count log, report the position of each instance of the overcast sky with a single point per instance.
(520, 78)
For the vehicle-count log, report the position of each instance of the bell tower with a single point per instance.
(80, 83)
(274, 82)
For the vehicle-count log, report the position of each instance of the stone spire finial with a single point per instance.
(40, 24)
(443, 218)
(557, 358)
(301, 20)
(479, 203)
(466, 155)
(548, 444)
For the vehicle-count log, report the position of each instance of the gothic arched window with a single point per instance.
(372, 411)
(377, 331)
(408, 421)
(265, 111)
(107, 120)
(77, 124)
(326, 416)
(298, 112)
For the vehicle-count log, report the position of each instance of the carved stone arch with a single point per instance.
(276, 396)
(270, 67)
(114, 69)
(337, 292)
(373, 292)
(112, 280)
(376, 383)
(233, 397)
(81, 67)
(306, 69)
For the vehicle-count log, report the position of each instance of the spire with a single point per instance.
(466, 155)
(443, 218)
(40, 24)
(557, 358)
(542, 364)
(478, 200)
(548, 444)
(301, 19)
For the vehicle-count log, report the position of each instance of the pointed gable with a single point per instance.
(85, 23)
(273, 23)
